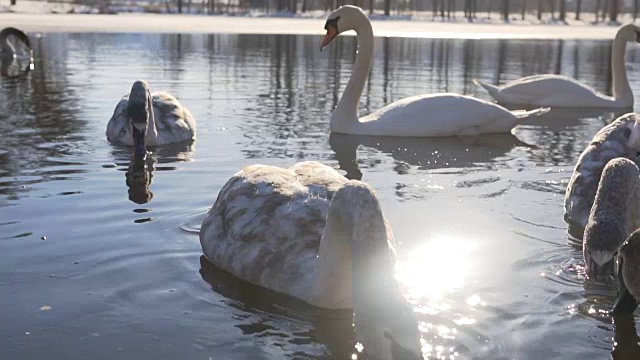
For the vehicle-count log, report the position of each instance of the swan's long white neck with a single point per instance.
(620, 87)
(345, 114)
(354, 250)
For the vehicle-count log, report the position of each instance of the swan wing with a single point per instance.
(609, 143)
(549, 90)
(266, 224)
(174, 122)
(439, 115)
(118, 129)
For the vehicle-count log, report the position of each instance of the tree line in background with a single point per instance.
(558, 9)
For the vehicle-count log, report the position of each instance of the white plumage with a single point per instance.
(310, 233)
(562, 91)
(424, 115)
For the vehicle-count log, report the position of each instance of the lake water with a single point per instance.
(99, 260)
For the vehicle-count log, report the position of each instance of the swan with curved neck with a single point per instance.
(621, 138)
(418, 116)
(615, 214)
(144, 119)
(8, 48)
(562, 91)
(310, 233)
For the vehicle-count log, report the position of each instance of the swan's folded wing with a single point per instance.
(265, 228)
(174, 122)
(117, 127)
(548, 86)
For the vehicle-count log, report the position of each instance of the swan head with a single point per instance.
(629, 32)
(344, 18)
(600, 246)
(138, 109)
(628, 276)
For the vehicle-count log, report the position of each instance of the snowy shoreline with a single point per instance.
(37, 16)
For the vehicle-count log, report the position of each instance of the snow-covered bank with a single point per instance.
(262, 25)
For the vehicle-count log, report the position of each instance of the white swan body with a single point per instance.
(425, 115)
(168, 122)
(621, 138)
(310, 233)
(562, 91)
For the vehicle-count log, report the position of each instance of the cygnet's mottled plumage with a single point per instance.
(621, 138)
(614, 215)
(628, 275)
(165, 121)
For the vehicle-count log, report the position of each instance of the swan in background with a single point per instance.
(10, 37)
(621, 138)
(136, 123)
(422, 115)
(562, 91)
(310, 233)
(628, 276)
(615, 214)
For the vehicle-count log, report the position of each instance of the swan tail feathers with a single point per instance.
(523, 114)
(493, 90)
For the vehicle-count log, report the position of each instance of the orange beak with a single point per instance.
(332, 32)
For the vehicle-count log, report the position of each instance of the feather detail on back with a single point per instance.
(266, 224)
(174, 122)
(618, 139)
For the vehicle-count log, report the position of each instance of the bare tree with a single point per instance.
(614, 8)
(539, 9)
(370, 6)
(387, 7)
(563, 10)
(578, 9)
(505, 10)
(524, 8)
(635, 10)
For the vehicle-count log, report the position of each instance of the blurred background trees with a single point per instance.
(508, 10)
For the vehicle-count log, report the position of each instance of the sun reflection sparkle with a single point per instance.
(435, 269)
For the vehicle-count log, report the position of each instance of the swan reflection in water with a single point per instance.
(139, 175)
(140, 171)
(424, 153)
(291, 320)
(15, 67)
(626, 343)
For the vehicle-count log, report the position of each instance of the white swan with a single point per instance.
(562, 91)
(422, 115)
(310, 233)
(621, 138)
(135, 122)
(615, 214)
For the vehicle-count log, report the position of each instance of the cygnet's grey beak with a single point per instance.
(626, 303)
(604, 272)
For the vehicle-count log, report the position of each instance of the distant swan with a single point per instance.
(135, 122)
(423, 115)
(615, 214)
(562, 91)
(621, 138)
(7, 47)
(310, 233)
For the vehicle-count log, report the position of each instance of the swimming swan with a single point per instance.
(628, 276)
(7, 47)
(621, 138)
(136, 123)
(310, 233)
(562, 91)
(421, 116)
(615, 214)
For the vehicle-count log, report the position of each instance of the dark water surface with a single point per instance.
(101, 260)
